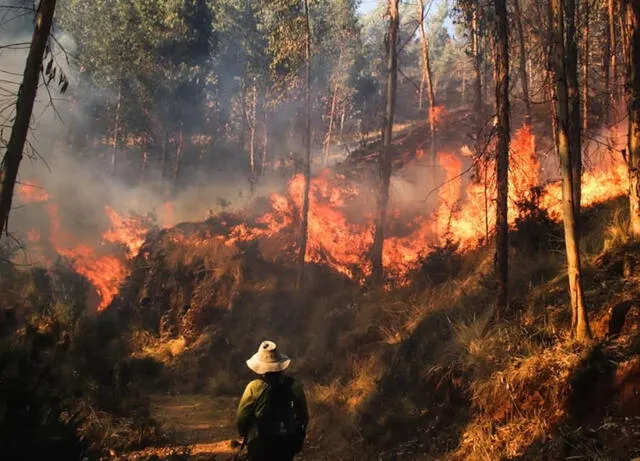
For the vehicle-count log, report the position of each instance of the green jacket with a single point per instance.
(249, 409)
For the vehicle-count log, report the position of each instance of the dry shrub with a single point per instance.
(616, 232)
(165, 351)
(520, 404)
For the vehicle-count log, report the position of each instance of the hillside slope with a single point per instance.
(422, 372)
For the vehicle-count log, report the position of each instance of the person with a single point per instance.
(272, 415)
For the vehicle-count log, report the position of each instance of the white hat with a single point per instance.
(268, 359)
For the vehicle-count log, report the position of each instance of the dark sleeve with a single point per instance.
(301, 403)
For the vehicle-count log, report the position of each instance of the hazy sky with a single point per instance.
(367, 5)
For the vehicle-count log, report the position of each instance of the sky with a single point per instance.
(367, 5)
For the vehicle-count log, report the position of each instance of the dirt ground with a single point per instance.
(205, 427)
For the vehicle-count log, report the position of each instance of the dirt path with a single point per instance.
(203, 425)
(203, 428)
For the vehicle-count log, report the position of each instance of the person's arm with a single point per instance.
(301, 403)
(246, 408)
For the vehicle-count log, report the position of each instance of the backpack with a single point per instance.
(278, 427)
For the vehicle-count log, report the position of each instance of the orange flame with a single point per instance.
(436, 114)
(339, 234)
(130, 231)
(30, 192)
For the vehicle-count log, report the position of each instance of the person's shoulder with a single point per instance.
(256, 385)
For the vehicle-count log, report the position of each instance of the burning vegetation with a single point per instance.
(340, 230)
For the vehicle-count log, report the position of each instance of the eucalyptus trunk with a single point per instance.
(502, 164)
(377, 270)
(427, 76)
(579, 322)
(524, 76)
(632, 22)
(24, 108)
(304, 226)
(573, 94)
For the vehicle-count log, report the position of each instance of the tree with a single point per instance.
(385, 157)
(427, 76)
(632, 23)
(573, 94)
(579, 322)
(524, 76)
(502, 164)
(307, 147)
(24, 107)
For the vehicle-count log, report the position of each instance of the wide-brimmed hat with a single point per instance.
(268, 359)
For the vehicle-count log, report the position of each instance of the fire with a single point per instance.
(340, 228)
(104, 266)
(436, 114)
(449, 193)
(130, 231)
(104, 272)
(30, 192)
(33, 235)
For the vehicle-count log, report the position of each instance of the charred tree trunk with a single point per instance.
(573, 94)
(332, 111)
(524, 77)
(304, 227)
(377, 270)
(427, 76)
(632, 20)
(579, 324)
(24, 107)
(502, 164)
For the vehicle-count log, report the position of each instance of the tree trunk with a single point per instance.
(579, 322)
(165, 152)
(250, 114)
(632, 20)
(145, 165)
(327, 144)
(573, 94)
(613, 57)
(377, 270)
(179, 146)
(265, 139)
(304, 227)
(243, 103)
(426, 72)
(524, 77)
(24, 107)
(477, 67)
(585, 66)
(502, 164)
(116, 130)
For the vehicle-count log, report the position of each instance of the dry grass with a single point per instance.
(520, 405)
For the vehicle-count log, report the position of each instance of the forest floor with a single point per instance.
(206, 427)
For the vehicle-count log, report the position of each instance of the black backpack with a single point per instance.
(279, 427)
